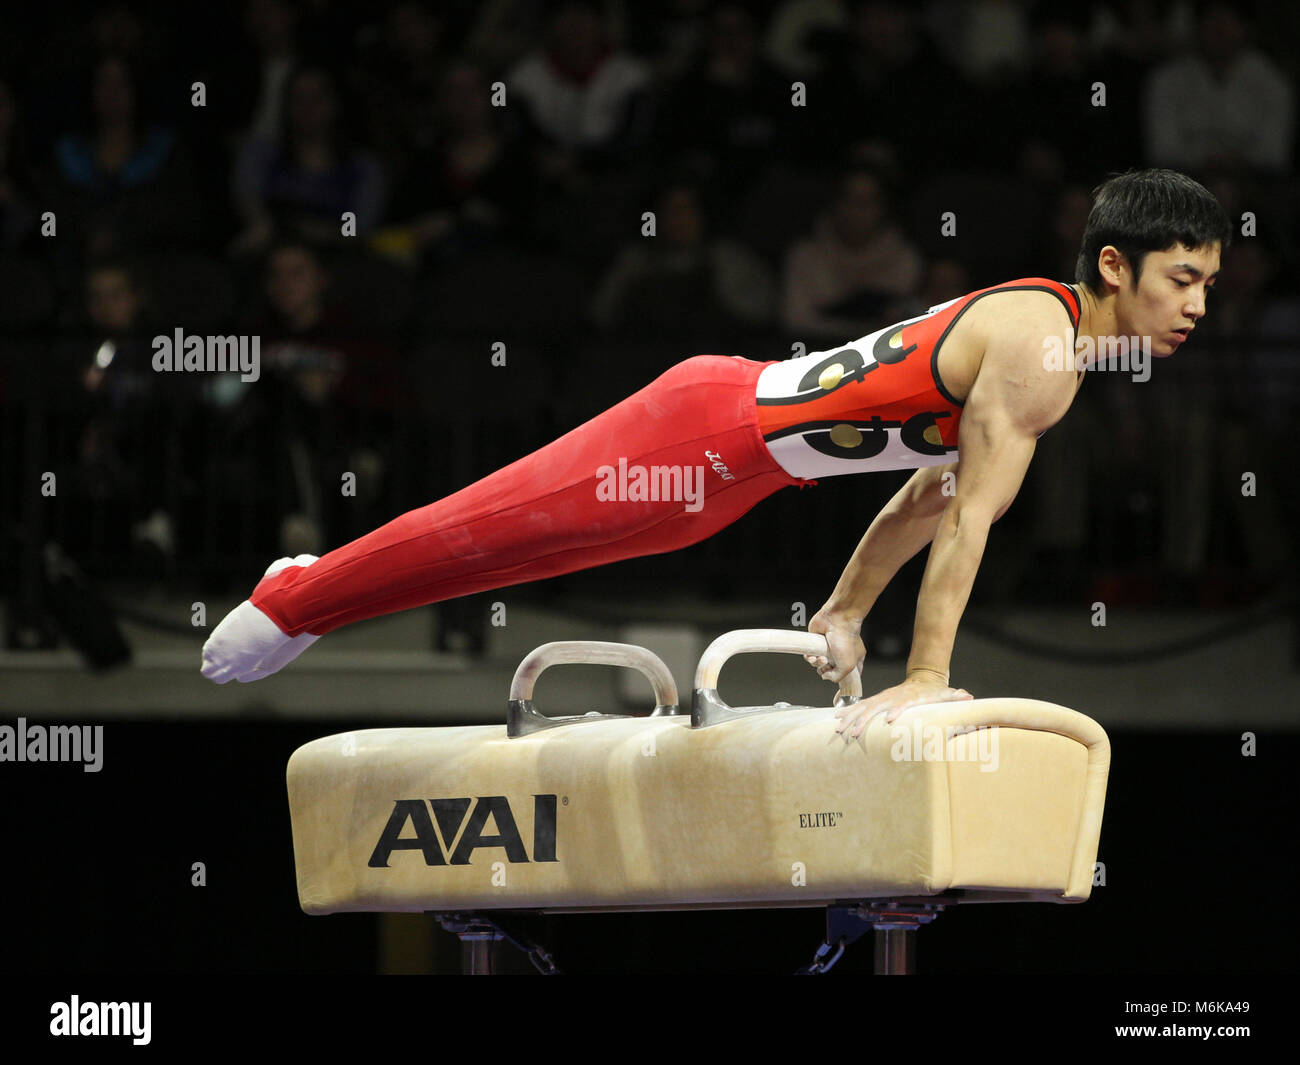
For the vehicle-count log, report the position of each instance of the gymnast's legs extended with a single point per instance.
(547, 514)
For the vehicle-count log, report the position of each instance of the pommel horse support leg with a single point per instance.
(985, 800)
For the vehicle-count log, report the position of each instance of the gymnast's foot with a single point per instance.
(248, 645)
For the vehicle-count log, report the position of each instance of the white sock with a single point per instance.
(248, 645)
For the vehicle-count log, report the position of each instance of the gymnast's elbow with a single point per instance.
(927, 493)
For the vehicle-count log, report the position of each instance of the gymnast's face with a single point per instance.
(1169, 298)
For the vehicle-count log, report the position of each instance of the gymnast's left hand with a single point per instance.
(893, 701)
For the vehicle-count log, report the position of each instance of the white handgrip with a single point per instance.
(594, 652)
(790, 641)
(523, 719)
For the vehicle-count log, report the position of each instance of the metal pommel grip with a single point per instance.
(523, 718)
(707, 707)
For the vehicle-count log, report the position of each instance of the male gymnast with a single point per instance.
(965, 389)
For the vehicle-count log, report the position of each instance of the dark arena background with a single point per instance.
(452, 232)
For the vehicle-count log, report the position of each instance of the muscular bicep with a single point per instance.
(994, 456)
(1015, 398)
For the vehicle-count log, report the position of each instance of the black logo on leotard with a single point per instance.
(872, 436)
(875, 439)
(886, 354)
(855, 366)
(915, 428)
(852, 361)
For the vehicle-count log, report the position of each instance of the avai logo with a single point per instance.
(456, 838)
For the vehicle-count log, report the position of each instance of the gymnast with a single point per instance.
(892, 400)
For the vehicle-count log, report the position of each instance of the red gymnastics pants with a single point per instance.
(542, 516)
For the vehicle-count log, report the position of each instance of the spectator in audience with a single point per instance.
(728, 114)
(126, 421)
(399, 81)
(300, 330)
(120, 368)
(119, 29)
(75, 45)
(585, 101)
(301, 184)
(1052, 113)
(684, 279)
(847, 278)
(473, 184)
(888, 83)
(313, 341)
(123, 183)
(1226, 105)
(321, 404)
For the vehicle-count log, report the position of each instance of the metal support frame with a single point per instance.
(894, 922)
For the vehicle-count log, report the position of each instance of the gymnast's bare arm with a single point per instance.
(904, 525)
(1015, 398)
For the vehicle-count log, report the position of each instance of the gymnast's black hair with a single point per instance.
(1149, 210)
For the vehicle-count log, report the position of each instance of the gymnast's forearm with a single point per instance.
(905, 525)
(949, 576)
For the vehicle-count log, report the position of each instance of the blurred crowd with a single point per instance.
(387, 193)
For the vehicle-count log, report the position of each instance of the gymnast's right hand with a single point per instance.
(248, 645)
(843, 640)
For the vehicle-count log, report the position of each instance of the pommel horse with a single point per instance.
(986, 800)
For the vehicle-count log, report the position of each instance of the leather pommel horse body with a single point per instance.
(987, 800)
